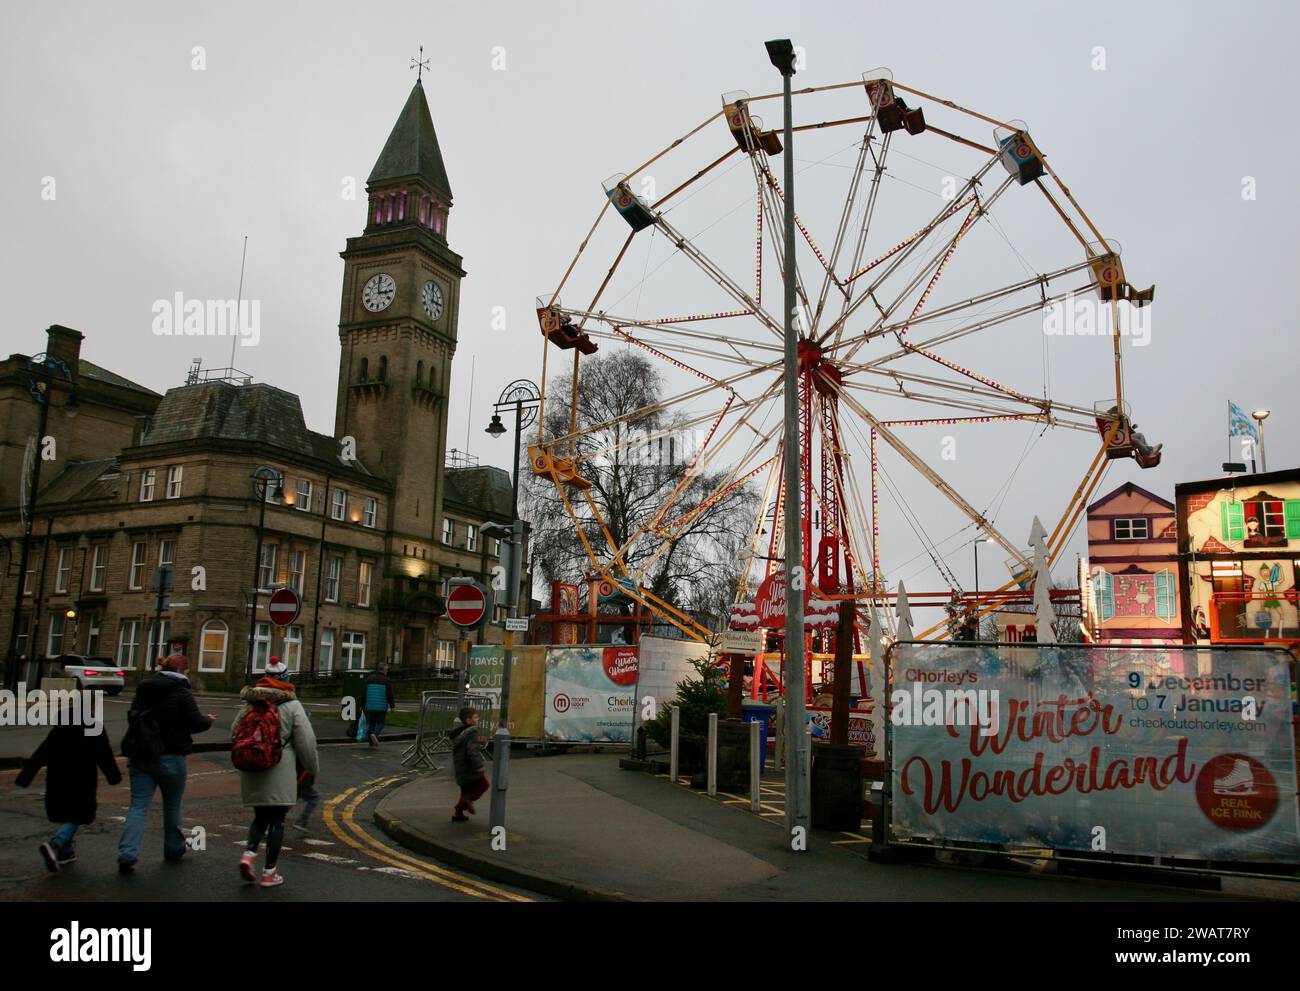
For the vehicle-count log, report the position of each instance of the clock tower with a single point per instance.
(397, 326)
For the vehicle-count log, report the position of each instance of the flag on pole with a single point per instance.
(1240, 423)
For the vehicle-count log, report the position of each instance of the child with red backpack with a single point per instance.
(272, 734)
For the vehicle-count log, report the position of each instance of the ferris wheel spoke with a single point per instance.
(864, 231)
(933, 268)
(767, 195)
(841, 232)
(982, 301)
(944, 214)
(718, 275)
(930, 475)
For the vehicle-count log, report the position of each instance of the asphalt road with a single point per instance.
(344, 858)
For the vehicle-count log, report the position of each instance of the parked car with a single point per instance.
(93, 672)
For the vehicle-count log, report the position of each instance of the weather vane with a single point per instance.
(420, 64)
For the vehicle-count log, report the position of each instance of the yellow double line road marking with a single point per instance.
(340, 820)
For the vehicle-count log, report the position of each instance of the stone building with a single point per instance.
(365, 524)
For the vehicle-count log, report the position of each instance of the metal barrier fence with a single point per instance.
(1180, 758)
(438, 712)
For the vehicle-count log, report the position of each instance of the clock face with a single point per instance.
(379, 292)
(431, 300)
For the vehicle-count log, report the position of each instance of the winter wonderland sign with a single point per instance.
(767, 611)
(1179, 752)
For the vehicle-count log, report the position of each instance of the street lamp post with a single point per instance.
(263, 476)
(41, 369)
(525, 398)
(798, 798)
(1260, 416)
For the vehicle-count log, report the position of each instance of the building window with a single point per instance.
(174, 481)
(147, 480)
(326, 659)
(370, 512)
(135, 580)
(1104, 592)
(98, 565)
(303, 501)
(339, 507)
(62, 570)
(128, 643)
(261, 646)
(212, 645)
(158, 634)
(166, 553)
(293, 647)
(29, 580)
(471, 537)
(1166, 604)
(298, 571)
(266, 568)
(92, 634)
(54, 643)
(354, 651)
(448, 530)
(1265, 522)
(1138, 528)
(363, 583)
(333, 571)
(446, 652)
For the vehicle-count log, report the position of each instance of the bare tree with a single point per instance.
(635, 461)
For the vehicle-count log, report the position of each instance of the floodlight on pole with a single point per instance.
(1260, 416)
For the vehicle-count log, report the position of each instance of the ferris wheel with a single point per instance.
(934, 244)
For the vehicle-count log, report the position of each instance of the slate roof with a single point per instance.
(412, 147)
(88, 369)
(485, 487)
(256, 412)
(82, 480)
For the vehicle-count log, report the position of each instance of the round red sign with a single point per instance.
(467, 605)
(283, 607)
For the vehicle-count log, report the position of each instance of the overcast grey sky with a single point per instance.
(161, 170)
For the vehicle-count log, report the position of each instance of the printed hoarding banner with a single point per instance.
(1171, 752)
(861, 730)
(662, 664)
(527, 680)
(590, 694)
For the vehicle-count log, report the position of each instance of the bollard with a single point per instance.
(672, 743)
(780, 734)
(756, 747)
(713, 754)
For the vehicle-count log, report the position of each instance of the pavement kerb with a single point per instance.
(415, 839)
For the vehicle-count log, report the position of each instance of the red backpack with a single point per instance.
(257, 746)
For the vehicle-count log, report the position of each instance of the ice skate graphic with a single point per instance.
(1240, 780)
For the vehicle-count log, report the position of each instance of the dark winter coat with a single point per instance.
(72, 762)
(466, 757)
(169, 698)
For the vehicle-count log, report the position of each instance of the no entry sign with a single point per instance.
(467, 605)
(283, 607)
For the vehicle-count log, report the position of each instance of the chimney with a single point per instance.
(65, 343)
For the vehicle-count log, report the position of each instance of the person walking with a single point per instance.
(308, 794)
(467, 762)
(158, 741)
(379, 699)
(272, 734)
(72, 762)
